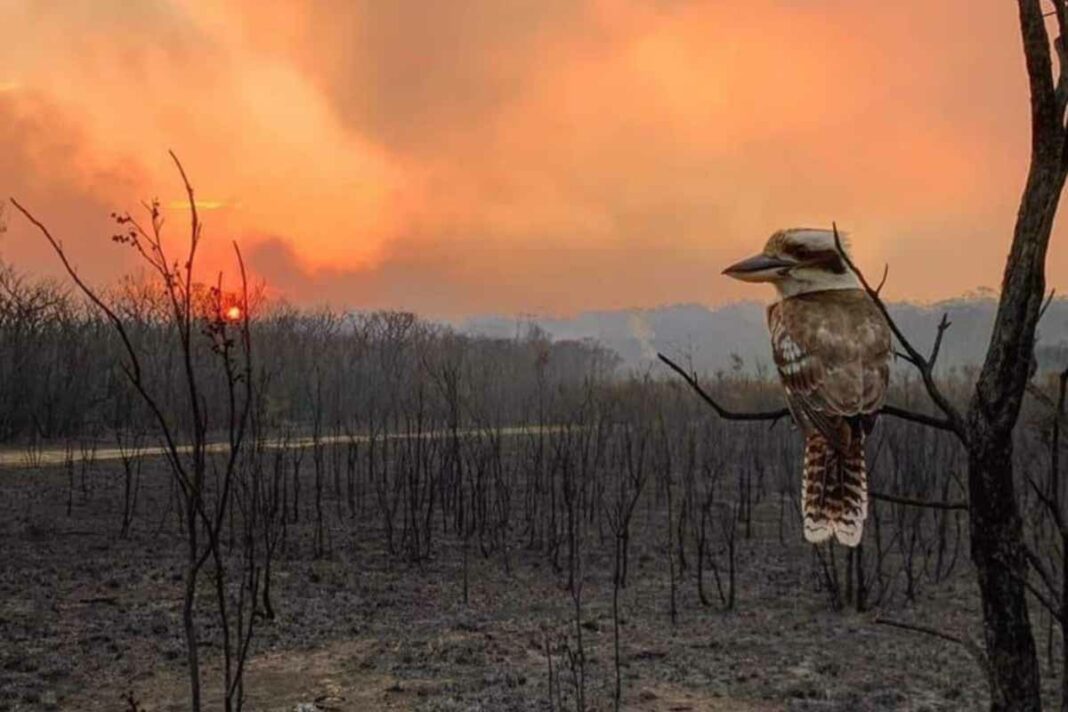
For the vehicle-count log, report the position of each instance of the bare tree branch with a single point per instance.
(1045, 305)
(1061, 89)
(775, 415)
(882, 282)
(1050, 505)
(1049, 605)
(914, 417)
(911, 502)
(1041, 569)
(772, 415)
(132, 368)
(923, 365)
(937, 346)
(973, 649)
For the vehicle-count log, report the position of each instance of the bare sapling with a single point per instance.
(193, 314)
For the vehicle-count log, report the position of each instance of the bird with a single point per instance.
(831, 346)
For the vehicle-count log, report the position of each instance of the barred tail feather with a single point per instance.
(818, 524)
(834, 490)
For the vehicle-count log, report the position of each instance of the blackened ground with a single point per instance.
(86, 616)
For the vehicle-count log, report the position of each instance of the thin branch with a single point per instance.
(953, 417)
(772, 415)
(925, 630)
(1054, 609)
(910, 502)
(914, 417)
(1061, 89)
(937, 346)
(1041, 396)
(1045, 305)
(1050, 505)
(1043, 573)
(1040, 569)
(975, 651)
(132, 369)
(85, 288)
(882, 282)
(775, 415)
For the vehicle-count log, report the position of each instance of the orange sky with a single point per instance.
(522, 155)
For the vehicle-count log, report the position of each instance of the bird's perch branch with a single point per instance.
(925, 365)
(775, 415)
(691, 379)
(952, 420)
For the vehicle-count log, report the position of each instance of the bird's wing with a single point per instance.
(832, 352)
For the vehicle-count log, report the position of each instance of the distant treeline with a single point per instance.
(734, 336)
(61, 365)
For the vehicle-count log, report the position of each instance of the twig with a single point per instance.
(1061, 89)
(923, 365)
(1045, 304)
(943, 324)
(921, 418)
(975, 651)
(1050, 505)
(1043, 573)
(1040, 396)
(911, 502)
(882, 282)
(772, 415)
(775, 415)
(1054, 609)
(131, 369)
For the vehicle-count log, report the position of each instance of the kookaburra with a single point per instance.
(832, 349)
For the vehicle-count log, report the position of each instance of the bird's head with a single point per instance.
(796, 261)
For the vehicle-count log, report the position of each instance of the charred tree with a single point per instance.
(986, 428)
(996, 528)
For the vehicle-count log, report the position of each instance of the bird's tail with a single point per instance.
(835, 489)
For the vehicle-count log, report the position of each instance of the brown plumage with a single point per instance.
(831, 346)
(834, 490)
(832, 351)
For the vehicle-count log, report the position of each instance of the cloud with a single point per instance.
(137, 79)
(44, 165)
(467, 275)
(521, 155)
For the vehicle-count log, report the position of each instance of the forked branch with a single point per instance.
(775, 415)
(726, 414)
(132, 366)
(925, 365)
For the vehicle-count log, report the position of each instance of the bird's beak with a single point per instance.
(760, 268)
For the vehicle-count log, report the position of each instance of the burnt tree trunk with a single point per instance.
(996, 528)
(997, 550)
